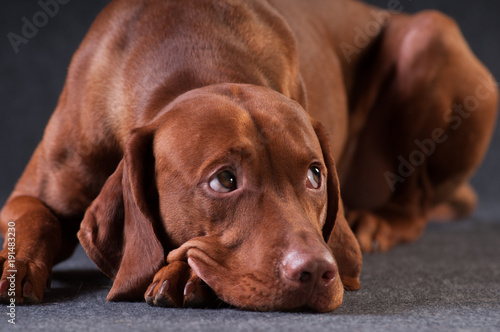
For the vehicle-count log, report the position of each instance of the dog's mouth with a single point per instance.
(248, 287)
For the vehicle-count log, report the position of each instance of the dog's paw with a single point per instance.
(22, 280)
(374, 233)
(176, 285)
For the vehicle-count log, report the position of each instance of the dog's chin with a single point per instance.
(253, 292)
(294, 303)
(287, 302)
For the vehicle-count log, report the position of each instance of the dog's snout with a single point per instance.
(306, 269)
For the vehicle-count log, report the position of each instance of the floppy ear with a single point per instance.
(336, 232)
(118, 230)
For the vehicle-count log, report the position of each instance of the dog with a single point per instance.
(249, 151)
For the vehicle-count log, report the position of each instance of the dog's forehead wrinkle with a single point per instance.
(185, 136)
(274, 118)
(287, 146)
(237, 151)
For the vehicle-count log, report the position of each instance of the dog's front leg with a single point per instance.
(32, 240)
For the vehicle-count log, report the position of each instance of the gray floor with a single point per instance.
(449, 280)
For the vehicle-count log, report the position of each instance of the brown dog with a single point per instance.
(188, 139)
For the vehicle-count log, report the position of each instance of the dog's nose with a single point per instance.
(309, 269)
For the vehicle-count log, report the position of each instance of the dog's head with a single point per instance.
(239, 182)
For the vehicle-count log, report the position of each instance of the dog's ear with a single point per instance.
(118, 230)
(336, 232)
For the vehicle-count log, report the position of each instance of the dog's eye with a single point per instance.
(223, 182)
(313, 177)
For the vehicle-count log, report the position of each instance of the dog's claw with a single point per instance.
(188, 289)
(150, 290)
(164, 288)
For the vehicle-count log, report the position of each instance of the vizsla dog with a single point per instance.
(202, 143)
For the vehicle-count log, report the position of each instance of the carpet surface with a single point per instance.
(449, 280)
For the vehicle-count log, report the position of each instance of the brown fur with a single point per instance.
(162, 95)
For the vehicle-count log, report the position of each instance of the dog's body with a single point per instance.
(183, 126)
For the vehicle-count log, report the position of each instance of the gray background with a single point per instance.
(449, 280)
